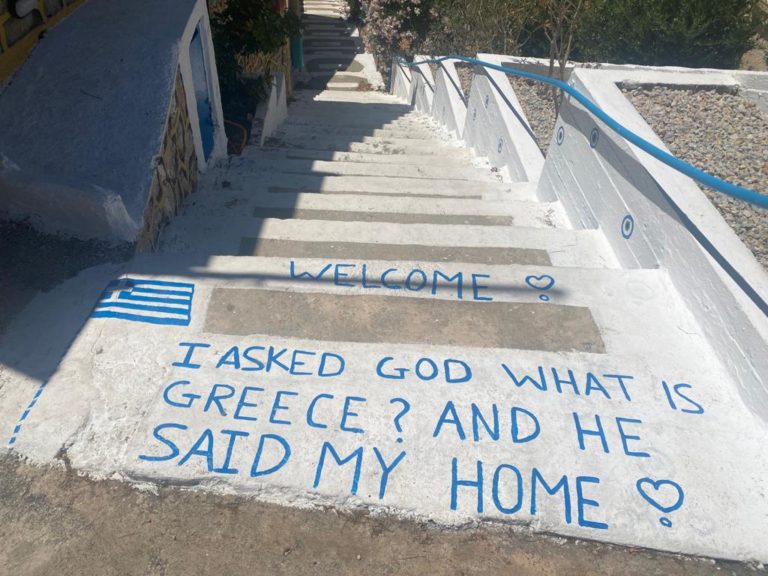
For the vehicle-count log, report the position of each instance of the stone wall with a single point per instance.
(175, 172)
(18, 36)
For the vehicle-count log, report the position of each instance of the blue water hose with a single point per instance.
(704, 178)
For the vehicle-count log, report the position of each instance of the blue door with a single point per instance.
(202, 96)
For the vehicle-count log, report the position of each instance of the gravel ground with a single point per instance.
(723, 134)
(465, 73)
(536, 100)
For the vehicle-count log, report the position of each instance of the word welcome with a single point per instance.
(414, 280)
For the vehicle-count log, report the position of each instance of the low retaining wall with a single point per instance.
(652, 215)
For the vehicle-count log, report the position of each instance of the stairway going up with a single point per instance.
(364, 314)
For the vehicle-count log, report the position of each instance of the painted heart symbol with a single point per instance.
(664, 495)
(543, 282)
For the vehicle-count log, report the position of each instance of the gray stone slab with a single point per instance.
(354, 318)
(408, 252)
(350, 216)
(285, 190)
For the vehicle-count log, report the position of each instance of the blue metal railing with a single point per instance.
(704, 178)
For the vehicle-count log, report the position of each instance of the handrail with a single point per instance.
(705, 178)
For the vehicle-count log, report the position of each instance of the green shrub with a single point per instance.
(241, 28)
(695, 33)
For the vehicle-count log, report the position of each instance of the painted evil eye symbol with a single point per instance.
(594, 137)
(560, 135)
(627, 227)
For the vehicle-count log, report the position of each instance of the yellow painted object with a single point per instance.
(11, 57)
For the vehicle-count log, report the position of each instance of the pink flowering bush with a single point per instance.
(395, 27)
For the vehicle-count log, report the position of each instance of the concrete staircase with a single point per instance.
(432, 331)
(357, 178)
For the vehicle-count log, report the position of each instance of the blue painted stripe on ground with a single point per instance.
(162, 283)
(17, 429)
(146, 308)
(139, 318)
(163, 292)
(177, 301)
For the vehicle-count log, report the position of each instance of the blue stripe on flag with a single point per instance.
(139, 318)
(178, 301)
(150, 301)
(145, 307)
(164, 292)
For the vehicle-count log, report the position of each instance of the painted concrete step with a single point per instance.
(522, 213)
(110, 420)
(649, 302)
(236, 235)
(399, 320)
(374, 101)
(374, 144)
(277, 166)
(449, 156)
(220, 193)
(270, 248)
(234, 186)
(367, 106)
(261, 182)
(399, 152)
(351, 119)
(408, 210)
(352, 132)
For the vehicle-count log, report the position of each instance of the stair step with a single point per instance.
(261, 182)
(367, 206)
(265, 247)
(204, 233)
(450, 156)
(400, 150)
(624, 326)
(397, 205)
(304, 99)
(370, 216)
(339, 114)
(276, 166)
(341, 120)
(540, 216)
(378, 145)
(315, 131)
(401, 320)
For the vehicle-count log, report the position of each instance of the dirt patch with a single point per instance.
(32, 262)
(465, 72)
(53, 522)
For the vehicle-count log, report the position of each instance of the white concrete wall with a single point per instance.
(449, 107)
(496, 125)
(423, 85)
(603, 182)
(274, 111)
(401, 82)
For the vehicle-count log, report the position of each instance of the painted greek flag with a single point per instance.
(151, 301)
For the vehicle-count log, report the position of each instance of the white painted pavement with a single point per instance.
(669, 465)
(621, 426)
